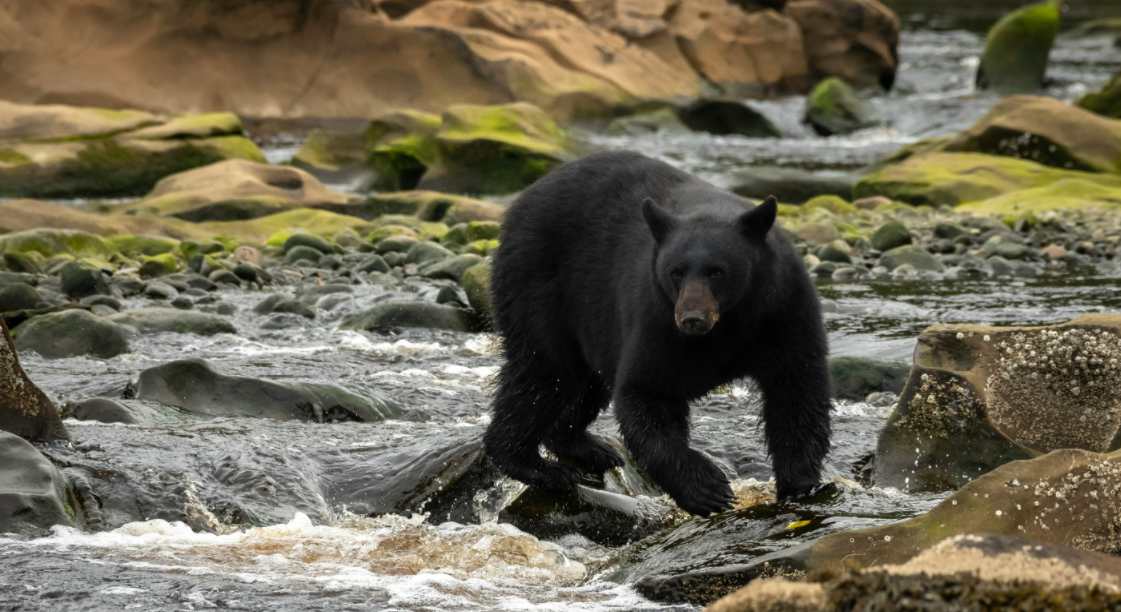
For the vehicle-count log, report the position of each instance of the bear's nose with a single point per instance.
(694, 323)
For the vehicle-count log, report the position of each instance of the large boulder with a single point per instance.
(1107, 101)
(1017, 48)
(192, 385)
(72, 333)
(834, 108)
(939, 178)
(1046, 131)
(980, 396)
(58, 151)
(33, 493)
(855, 40)
(235, 190)
(24, 409)
(325, 58)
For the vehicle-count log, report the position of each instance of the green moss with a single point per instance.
(192, 209)
(131, 244)
(52, 242)
(482, 247)
(202, 125)
(1106, 102)
(278, 227)
(234, 147)
(385, 231)
(521, 126)
(1066, 194)
(159, 265)
(832, 203)
(834, 108)
(11, 157)
(1017, 49)
(954, 178)
(331, 152)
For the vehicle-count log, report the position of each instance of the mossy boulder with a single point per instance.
(1106, 102)
(431, 206)
(890, 235)
(52, 242)
(79, 279)
(1017, 49)
(402, 147)
(941, 178)
(1065, 194)
(332, 154)
(980, 396)
(71, 333)
(235, 190)
(1046, 131)
(274, 229)
(159, 265)
(833, 108)
(69, 151)
(476, 284)
(134, 245)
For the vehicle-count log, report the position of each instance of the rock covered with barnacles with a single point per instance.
(980, 396)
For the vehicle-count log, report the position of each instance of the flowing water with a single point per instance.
(249, 514)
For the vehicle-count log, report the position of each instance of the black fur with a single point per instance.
(584, 299)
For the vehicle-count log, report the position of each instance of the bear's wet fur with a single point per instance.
(620, 278)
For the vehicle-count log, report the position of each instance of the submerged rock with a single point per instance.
(24, 409)
(979, 396)
(192, 385)
(157, 319)
(34, 495)
(396, 314)
(1017, 49)
(72, 333)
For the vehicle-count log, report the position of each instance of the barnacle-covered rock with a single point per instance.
(980, 396)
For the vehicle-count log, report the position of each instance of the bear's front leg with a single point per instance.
(796, 420)
(656, 432)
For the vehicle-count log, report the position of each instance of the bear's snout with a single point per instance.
(696, 311)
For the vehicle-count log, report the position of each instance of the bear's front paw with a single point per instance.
(587, 452)
(698, 486)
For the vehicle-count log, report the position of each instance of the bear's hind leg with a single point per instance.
(570, 441)
(527, 402)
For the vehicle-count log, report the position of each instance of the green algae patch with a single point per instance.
(134, 245)
(203, 125)
(955, 178)
(1017, 49)
(834, 108)
(402, 147)
(11, 157)
(278, 227)
(52, 242)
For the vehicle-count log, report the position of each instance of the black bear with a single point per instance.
(620, 278)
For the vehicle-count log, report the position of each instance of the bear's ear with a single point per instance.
(756, 222)
(659, 221)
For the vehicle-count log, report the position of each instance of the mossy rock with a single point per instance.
(273, 230)
(834, 108)
(204, 125)
(133, 244)
(389, 231)
(51, 242)
(658, 120)
(1017, 49)
(476, 284)
(495, 149)
(954, 178)
(1106, 102)
(56, 122)
(482, 247)
(1047, 131)
(426, 230)
(112, 167)
(431, 206)
(332, 153)
(159, 265)
(402, 148)
(465, 233)
(71, 333)
(1064, 194)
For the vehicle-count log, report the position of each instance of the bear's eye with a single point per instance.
(676, 275)
(714, 273)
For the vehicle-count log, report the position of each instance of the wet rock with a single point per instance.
(307, 240)
(394, 244)
(182, 303)
(853, 378)
(24, 409)
(833, 108)
(303, 253)
(72, 333)
(476, 284)
(33, 493)
(159, 265)
(949, 231)
(793, 185)
(224, 277)
(910, 255)
(282, 304)
(193, 386)
(19, 296)
(387, 316)
(725, 117)
(425, 252)
(1004, 247)
(283, 321)
(660, 120)
(100, 409)
(890, 235)
(157, 320)
(1046, 131)
(451, 268)
(81, 279)
(962, 572)
(372, 263)
(21, 262)
(837, 251)
(1106, 102)
(160, 291)
(1017, 48)
(247, 272)
(980, 396)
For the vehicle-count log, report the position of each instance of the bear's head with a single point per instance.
(704, 264)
